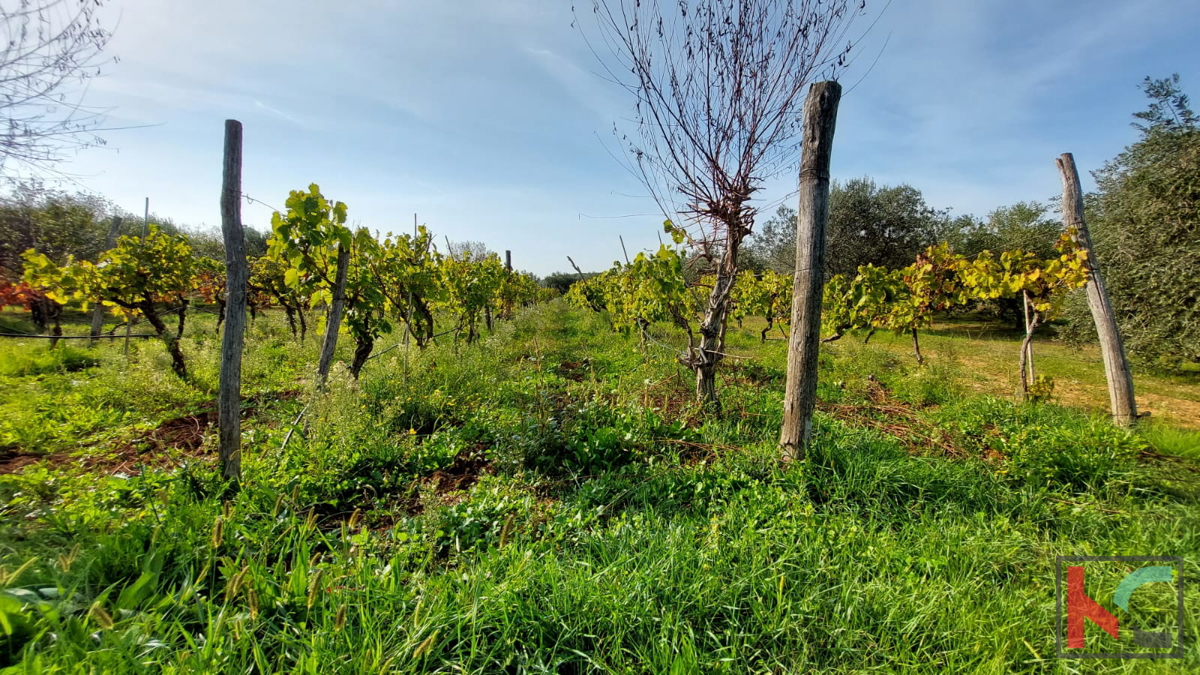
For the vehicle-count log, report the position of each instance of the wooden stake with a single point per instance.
(1027, 378)
(408, 317)
(145, 233)
(98, 310)
(1116, 365)
(800, 395)
(508, 260)
(229, 397)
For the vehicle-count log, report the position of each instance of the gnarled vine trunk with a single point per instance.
(362, 352)
(1027, 352)
(334, 320)
(422, 318)
(291, 319)
(183, 308)
(171, 341)
(704, 356)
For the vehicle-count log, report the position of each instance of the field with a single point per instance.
(550, 499)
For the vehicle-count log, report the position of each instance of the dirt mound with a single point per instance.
(15, 461)
(181, 433)
(166, 446)
(896, 418)
(575, 371)
(463, 472)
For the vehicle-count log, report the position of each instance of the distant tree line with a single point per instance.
(61, 224)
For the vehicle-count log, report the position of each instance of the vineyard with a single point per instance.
(489, 476)
(655, 289)
(864, 434)
(550, 490)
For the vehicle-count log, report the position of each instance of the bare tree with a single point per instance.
(719, 86)
(51, 49)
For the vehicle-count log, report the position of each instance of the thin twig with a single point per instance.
(288, 437)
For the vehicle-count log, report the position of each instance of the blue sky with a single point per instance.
(486, 119)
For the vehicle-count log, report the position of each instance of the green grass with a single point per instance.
(551, 500)
(986, 356)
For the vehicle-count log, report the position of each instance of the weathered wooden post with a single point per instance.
(333, 321)
(508, 260)
(1116, 365)
(98, 310)
(800, 395)
(229, 396)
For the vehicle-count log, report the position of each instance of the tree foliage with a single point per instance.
(406, 269)
(56, 223)
(469, 285)
(134, 278)
(766, 294)
(869, 224)
(876, 225)
(1145, 220)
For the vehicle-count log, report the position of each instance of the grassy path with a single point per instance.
(986, 359)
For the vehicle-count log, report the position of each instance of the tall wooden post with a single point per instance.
(98, 310)
(800, 395)
(229, 396)
(1116, 366)
(409, 315)
(508, 260)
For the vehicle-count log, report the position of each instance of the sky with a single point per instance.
(488, 118)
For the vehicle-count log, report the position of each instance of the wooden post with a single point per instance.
(1116, 366)
(623, 251)
(145, 233)
(508, 260)
(333, 320)
(98, 310)
(800, 395)
(229, 397)
(1029, 349)
(408, 316)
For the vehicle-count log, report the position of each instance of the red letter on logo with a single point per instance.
(1080, 607)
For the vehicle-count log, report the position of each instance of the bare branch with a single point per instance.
(51, 49)
(717, 88)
